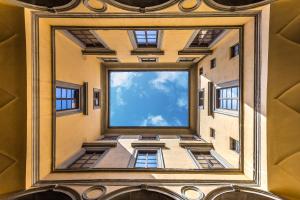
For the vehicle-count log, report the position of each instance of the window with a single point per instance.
(150, 59)
(213, 63)
(149, 137)
(206, 161)
(110, 137)
(109, 60)
(201, 98)
(67, 97)
(188, 137)
(234, 50)
(212, 133)
(201, 71)
(205, 37)
(186, 59)
(146, 38)
(88, 160)
(96, 98)
(234, 145)
(227, 98)
(87, 38)
(146, 159)
(142, 99)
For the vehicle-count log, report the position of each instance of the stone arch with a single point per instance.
(47, 193)
(239, 192)
(163, 193)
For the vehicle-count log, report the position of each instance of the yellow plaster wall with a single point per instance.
(227, 69)
(12, 99)
(73, 67)
(283, 99)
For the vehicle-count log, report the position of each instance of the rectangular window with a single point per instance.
(146, 159)
(110, 137)
(149, 137)
(234, 145)
(234, 50)
(227, 98)
(201, 71)
(213, 63)
(201, 98)
(206, 160)
(109, 60)
(87, 38)
(96, 98)
(205, 37)
(212, 133)
(146, 38)
(88, 160)
(189, 137)
(67, 99)
(186, 59)
(148, 59)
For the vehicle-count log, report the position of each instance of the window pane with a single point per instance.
(69, 93)
(64, 104)
(228, 93)
(58, 92)
(64, 93)
(223, 93)
(234, 92)
(69, 104)
(58, 104)
(229, 104)
(234, 105)
(152, 165)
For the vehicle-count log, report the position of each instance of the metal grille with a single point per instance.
(206, 160)
(146, 38)
(146, 159)
(206, 37)
(87, 160)
(87, 38)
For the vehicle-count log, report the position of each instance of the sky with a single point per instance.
(148, 98)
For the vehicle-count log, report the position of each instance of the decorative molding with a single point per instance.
(101, 189)
(190, 9)
(165, 4)
(217, 193)
(54, 188)
(72, 4)
(36, 105)
(217, 6)
(146, 187)
(148, 144)
(192, 188)
(90, 7)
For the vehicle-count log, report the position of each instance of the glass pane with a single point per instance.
(152, 41)
(141, 40)
(64, 93)
(224, 104)
(69, 93)
(140, 32)
(69, 104)
(152, 165)
(58, 92)
(64, 104)
(151, 32)
(223, 93)
(58, 104)
(234, 105)
(140, 165)
(234, 92)
(229, 104)
(228, 92)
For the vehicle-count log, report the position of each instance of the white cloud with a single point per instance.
(182, 102)
(177, 122)
(122, 79)
(157, 120)
(164, 77)
(119, 98)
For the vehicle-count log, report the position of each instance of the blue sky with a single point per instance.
(148, 98)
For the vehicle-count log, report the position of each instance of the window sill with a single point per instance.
(227, 112)
(147, 51)
(67, 112)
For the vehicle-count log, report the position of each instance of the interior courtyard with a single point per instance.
(159, 99)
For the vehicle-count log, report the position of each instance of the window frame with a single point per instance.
(67, 85)
(233, 52)
(218, 158)
(216, 99)
(213, 63)
(157, 138)
(135, 46)
(234, 145)
(212, 133)
(160, 159)
(96, 90)
(201, 98)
